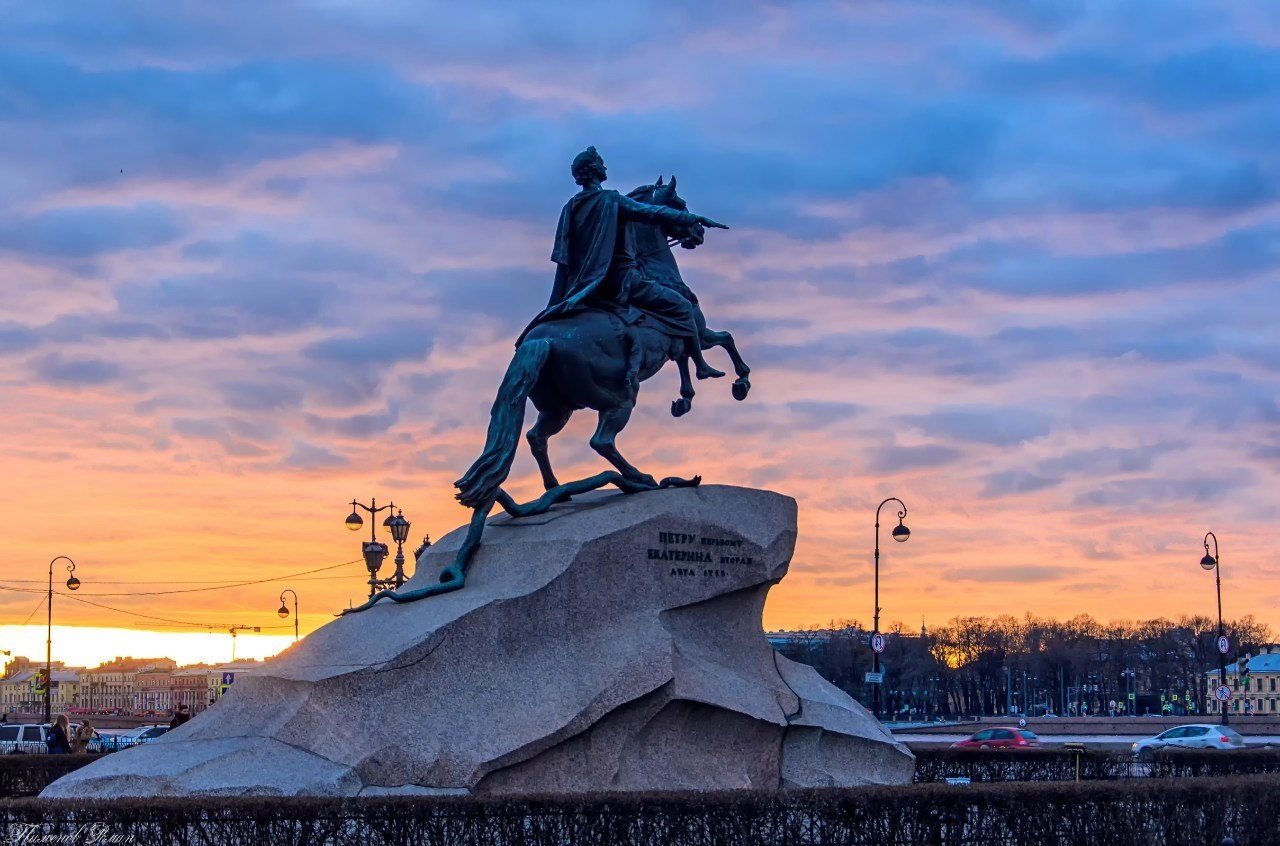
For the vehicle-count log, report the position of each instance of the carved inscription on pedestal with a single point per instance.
(698, 557)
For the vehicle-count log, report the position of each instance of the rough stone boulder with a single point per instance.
(614, 642)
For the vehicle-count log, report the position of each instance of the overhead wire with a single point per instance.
(211, 626)
(201, 581)
(39, 605)
(304, 575)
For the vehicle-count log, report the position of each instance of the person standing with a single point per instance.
(84, 734)
(60, 738)
(180, 716)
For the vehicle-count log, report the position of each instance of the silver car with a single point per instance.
(1200, 736)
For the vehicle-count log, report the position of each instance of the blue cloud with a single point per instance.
(982, 425)
(395, 342)
(1016, 482)
(75, 370)
(373, 425)
(227, 304)
(1132, 493)
(1109, 460)
(892, 459)
(254, 396)
(818, 414)
(82, 232)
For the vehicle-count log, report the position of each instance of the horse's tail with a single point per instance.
(479, 487)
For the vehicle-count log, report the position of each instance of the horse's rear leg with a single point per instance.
(711, 339)
(550, 422)
(613, 421)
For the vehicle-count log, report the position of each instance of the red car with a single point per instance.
(999, 738)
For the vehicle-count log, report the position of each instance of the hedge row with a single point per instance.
(27, 775)
(934, 765)
(1048, 764)
(1187, 763)
(1188, 812)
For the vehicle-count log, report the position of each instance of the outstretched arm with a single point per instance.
(631, 209)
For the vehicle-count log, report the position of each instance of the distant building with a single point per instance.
(109, 687)
(190, 686)
(1261, 693)
(18, 691)
(124, 685)
(152, 688)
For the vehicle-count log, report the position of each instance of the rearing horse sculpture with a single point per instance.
(585, 360)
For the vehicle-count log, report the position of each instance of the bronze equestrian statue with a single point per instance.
(618, 312)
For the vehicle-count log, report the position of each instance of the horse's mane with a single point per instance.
(637, 193)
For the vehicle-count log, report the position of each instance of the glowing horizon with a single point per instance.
(90, 646)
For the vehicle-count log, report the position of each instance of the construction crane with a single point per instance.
(232, 631)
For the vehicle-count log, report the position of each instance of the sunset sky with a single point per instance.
(1014, 263)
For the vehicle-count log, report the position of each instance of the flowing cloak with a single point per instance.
(587, 248)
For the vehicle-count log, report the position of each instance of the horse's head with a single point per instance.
(664, 194)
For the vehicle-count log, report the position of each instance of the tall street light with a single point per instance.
(1210, 562)
(283, 611)
(72, 584)
(900, 534)
(374, 551)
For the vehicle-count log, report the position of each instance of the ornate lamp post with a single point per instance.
(1210, 562)
(373, 550)
(72, 584)
(900, 534)
(283, 611)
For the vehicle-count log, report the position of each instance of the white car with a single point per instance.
(32, 739)
(1200, 736)
(112, 742)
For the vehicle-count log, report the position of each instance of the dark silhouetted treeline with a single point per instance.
(1005, 665)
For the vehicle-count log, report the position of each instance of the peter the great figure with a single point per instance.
(618, 312)
(595, 258)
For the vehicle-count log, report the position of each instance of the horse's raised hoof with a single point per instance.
(706, 371)
(740, 388)
(681, 407)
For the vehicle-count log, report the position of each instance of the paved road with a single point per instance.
(1059, 739)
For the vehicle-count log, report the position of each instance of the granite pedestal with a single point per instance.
(613, 643)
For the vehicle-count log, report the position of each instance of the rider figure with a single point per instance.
(596, 264)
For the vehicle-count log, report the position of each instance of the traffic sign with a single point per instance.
(1133, 696)
(1223, 693)
(1224, 644)
(877, 643)
(873, 678)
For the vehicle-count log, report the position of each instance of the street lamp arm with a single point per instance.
(284, 610)
(902, 513)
